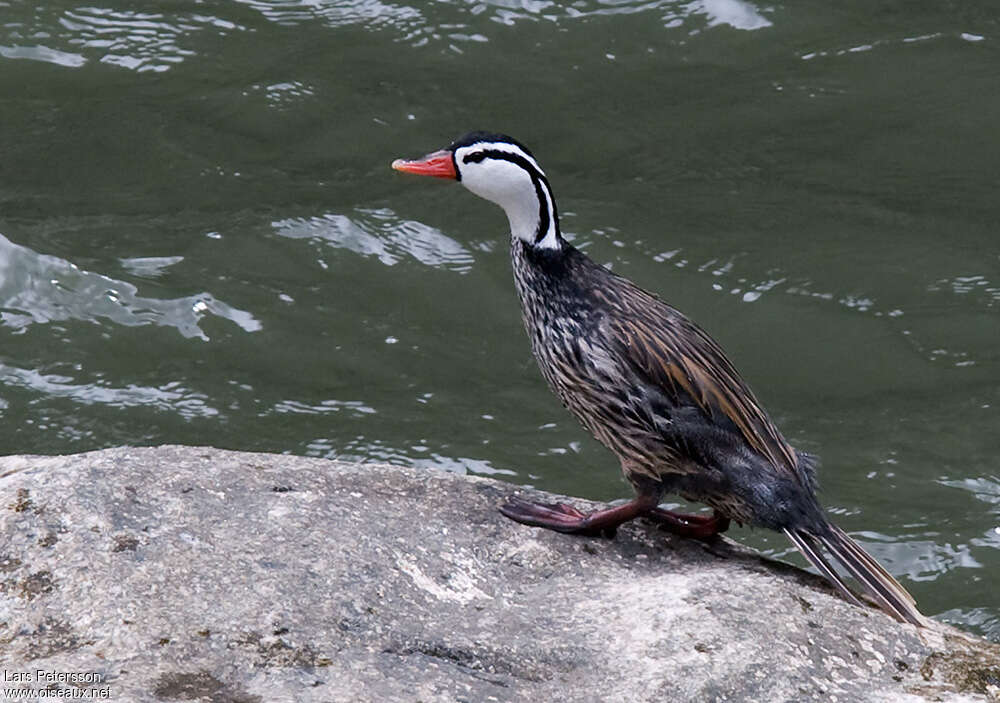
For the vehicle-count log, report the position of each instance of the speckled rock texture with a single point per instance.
(187, 573)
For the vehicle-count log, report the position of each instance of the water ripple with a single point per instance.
(983, 619)
(282, 96)
(44, 54)
(738, 14)
(297, 407)
(928, 560)
(149, 266)
(976, 286)
(417, 29)
(986, 489)
(364, 450)
(156, 41)
(373, 13)
(39, 288)
(140, 41)
(382, 234)
(171, 397)
(883, 43)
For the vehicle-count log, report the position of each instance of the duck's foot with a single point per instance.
(687, 525)
(565, 518)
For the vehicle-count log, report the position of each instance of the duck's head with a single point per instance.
(502, 170)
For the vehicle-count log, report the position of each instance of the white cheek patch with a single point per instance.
(506, 175)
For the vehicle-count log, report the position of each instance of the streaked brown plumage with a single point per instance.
(650, 385)
(632, 335)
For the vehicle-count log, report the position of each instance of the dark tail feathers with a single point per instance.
(877, 582)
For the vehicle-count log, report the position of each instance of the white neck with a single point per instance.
(524, 214)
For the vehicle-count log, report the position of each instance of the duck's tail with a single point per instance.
(876, 581)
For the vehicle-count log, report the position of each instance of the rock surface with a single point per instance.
(185, 573)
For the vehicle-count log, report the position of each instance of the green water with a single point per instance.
(202, 242)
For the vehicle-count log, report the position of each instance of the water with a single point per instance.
(202, 242)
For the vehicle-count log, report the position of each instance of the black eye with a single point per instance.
(474, 158)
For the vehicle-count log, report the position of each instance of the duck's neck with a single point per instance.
(533, 216)
(540, 274)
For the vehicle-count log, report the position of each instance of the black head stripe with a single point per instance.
(484, 137)
(537, 179)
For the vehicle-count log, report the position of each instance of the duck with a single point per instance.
(651, 386)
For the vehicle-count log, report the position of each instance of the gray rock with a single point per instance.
(181, 573)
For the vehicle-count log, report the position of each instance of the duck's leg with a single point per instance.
(688, 525)
(565, 518)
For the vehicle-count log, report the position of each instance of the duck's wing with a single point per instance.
(671, 352)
